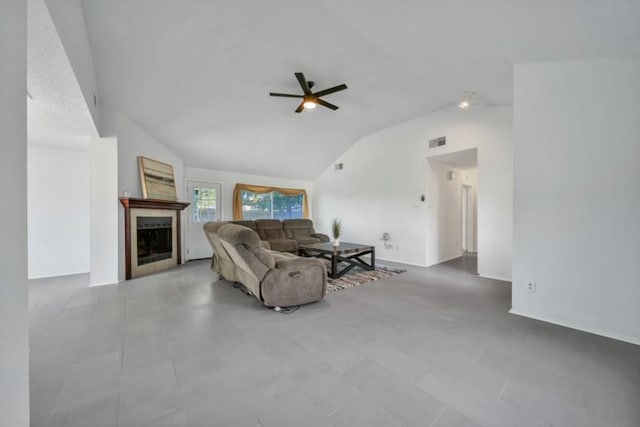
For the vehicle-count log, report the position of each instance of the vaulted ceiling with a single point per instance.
(56, 111)
(196, 74)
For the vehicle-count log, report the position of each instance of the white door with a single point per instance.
(205, 199)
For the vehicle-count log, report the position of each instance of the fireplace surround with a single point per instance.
(152, 235)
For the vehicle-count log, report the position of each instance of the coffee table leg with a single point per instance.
(373, 258)
(334, 266)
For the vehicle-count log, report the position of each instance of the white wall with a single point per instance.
(134, 141)
(446, 207)
(230, 179)
(104, 208)
(385, 173)
(14, 331)
(577, 203)
(58, 195)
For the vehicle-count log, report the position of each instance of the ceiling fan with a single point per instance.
(311, 99)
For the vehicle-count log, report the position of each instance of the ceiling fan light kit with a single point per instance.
(309, 104)
(311, 99)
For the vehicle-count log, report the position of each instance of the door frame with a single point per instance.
(464, 217)
(187, 222)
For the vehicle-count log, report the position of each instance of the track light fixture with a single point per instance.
(466, 99)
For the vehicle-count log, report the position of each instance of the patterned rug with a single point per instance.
(357, 277)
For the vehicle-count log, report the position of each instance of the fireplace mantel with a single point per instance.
(130, 203)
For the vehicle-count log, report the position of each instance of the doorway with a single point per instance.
(205, 200)
(453, 209)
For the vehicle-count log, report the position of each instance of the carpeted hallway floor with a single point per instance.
(429, 347)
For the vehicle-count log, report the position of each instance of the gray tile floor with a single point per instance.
(429, 347)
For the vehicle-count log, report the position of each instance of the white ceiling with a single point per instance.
(196, 74)
(57, 114)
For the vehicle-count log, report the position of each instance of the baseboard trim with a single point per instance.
(95, 285)
(80, 273)
(624, 338)
(400, 262)
(445, 260)
(502, 279)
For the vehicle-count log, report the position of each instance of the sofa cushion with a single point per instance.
(272, 226)
(296, 228)
(273, 233)
(284, 245)
(308, 240)
(298, 233)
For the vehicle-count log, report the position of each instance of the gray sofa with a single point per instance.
(277, 279)
(287, 235)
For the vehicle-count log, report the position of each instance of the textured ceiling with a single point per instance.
(196, 74)
(56, 112)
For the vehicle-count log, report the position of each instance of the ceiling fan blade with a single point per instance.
(303, 83)
(300, 107)
(286, 95)
(331, 90)
(327, 104)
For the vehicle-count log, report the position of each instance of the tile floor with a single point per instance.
(429, 347)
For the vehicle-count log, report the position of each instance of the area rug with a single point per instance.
(357, 277)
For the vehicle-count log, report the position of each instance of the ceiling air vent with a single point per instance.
(338, 166)
(438, 142)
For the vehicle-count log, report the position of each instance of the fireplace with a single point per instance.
(152, 235)
(154, 238)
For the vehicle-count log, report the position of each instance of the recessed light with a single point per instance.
(466, 99)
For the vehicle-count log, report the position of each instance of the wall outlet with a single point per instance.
(531, 286)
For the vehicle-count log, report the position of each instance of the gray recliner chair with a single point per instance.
(276, 279)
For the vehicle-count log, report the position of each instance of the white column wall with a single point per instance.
(104, 211)
(577, 203)
(14, 323)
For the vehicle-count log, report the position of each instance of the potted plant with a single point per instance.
(336, 230)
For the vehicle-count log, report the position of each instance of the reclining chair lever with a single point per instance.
(294, 274)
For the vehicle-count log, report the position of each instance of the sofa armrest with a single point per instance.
(323, 237)
(293, 282)
(299, 263)
(265, 244)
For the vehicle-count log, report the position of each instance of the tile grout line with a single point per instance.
(504, 387)
(439, 415)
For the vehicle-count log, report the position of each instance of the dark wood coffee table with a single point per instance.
(349, 253)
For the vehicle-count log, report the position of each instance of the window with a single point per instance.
(271, 205)
(204, 204)
(259, 202)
